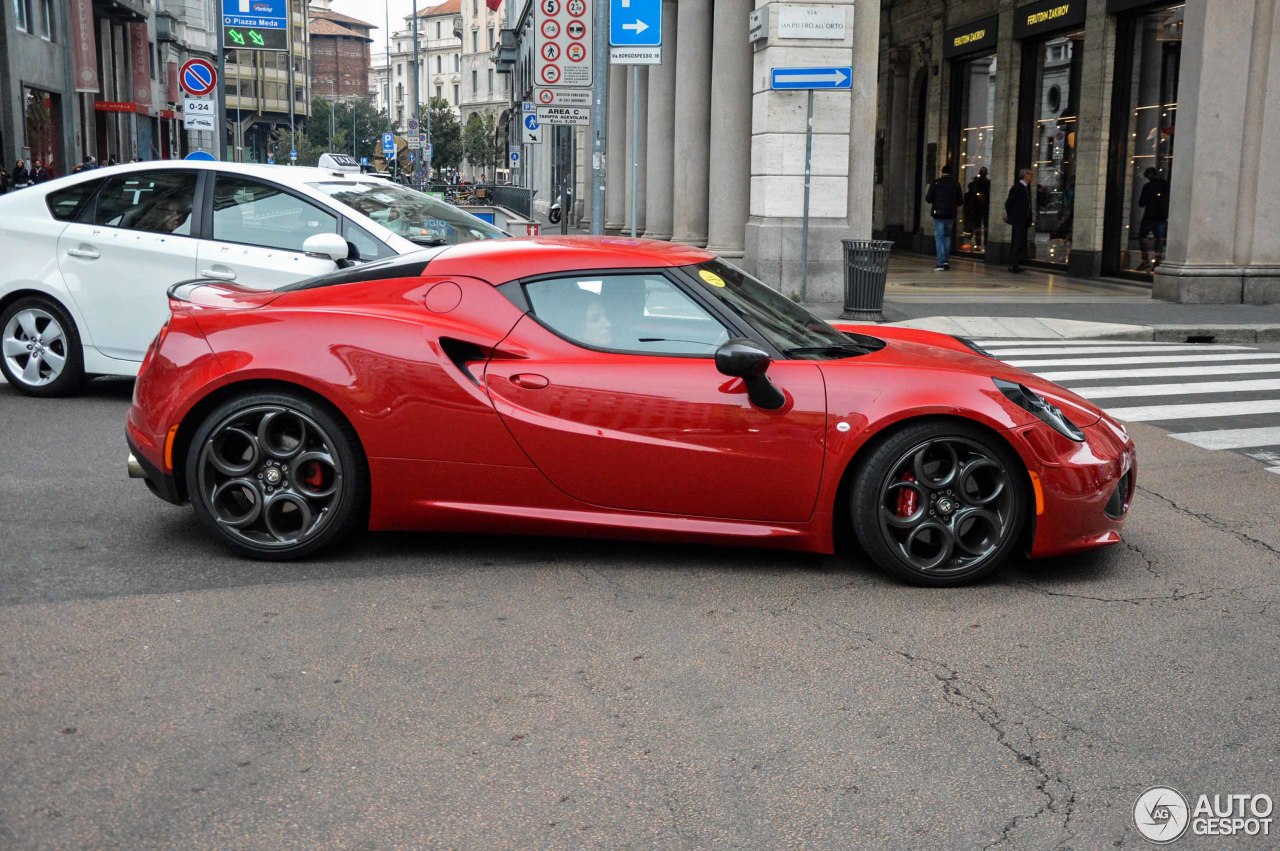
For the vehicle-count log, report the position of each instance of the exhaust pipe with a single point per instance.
(135, 469)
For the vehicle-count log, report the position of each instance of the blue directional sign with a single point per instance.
(388, 142)
(635, 23)
(787, 79)
(256, 14)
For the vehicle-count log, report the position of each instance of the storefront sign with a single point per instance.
(171, 82)
(140, 64)
(83, 45)
(825, 22)
(118, 106)
(975, 37)
(1116, 7)
(1047, 16)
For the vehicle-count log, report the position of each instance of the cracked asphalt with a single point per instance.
(480, 692)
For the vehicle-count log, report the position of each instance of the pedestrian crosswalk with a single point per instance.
(1218, 397)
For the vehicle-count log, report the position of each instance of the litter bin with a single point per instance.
(866, 266)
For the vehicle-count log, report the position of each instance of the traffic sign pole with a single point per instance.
(222, 94)
(600, 95)
(804, 227)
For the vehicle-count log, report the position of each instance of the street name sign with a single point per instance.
(821, 22)
(562, 43)
(635, 56)
(635, 23)
(256, 24)
(797, 79)
(564, 115)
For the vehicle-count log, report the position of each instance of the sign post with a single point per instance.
(808, 79)
(635, 38)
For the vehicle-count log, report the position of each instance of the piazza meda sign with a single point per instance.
(255, 24)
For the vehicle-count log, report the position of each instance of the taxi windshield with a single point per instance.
(414, 215)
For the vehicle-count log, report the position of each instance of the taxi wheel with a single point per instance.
(40, 351)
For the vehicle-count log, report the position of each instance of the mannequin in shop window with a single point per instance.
(1154, 225)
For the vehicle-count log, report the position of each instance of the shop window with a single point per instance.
(1048, 129)
(22, 14)
(973, 116)
(46, 20)
(1155, 41)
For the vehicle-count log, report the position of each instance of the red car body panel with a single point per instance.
(475, 417)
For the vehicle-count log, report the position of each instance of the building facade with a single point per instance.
(268, 91)
(340, 53)
(439, 66)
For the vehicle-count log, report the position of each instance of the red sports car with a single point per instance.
(608, 387)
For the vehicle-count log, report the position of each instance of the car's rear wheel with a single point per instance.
(276, 476)
(939, 503)
(40, 352)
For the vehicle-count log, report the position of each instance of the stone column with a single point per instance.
(898, 144)
(642, 95)
(1220, 249)
(1093, 134)
(615, 152)
(843, 151)
(729, 177)
(693, 122)
(661, 132)
(1004, 147)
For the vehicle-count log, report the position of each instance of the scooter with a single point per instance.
(553, 214)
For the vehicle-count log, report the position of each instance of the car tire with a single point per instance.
(275, 476)
(939, 503)
(40, 352)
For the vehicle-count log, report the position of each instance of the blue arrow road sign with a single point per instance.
(784, 79)
(256, 14)
(388, 142)
(635, 23)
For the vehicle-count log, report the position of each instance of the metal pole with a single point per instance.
(417, 103)
(600, 97)
(222, 91)
(804, 230)
(293, 138)
(635, 158)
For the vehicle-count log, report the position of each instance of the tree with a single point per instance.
(478, 140)
(362, 124)
(446, 136)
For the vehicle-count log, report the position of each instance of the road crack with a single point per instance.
(1211, 521)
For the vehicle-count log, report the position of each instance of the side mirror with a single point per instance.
(741, 358)
(327, 245)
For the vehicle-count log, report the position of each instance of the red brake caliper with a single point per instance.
(315, 475)
(907, 498)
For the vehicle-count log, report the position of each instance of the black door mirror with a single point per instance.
(741, 358)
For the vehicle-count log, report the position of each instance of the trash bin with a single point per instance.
(866, 267)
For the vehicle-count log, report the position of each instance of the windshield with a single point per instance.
(409, 213)
(795, 331)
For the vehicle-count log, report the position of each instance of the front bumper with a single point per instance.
(1085, 488)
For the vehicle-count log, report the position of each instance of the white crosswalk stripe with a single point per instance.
(1235, 408)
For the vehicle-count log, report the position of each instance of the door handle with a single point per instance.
(84, 253)
(218, 275)
(529, 380)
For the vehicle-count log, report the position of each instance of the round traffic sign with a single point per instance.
(576, 29)
(198, 77)
(204, 156)
(546, 96)
(515, 157)
(531, 122)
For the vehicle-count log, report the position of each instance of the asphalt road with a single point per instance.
(478, 692)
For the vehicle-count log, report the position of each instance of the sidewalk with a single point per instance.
(974, 299)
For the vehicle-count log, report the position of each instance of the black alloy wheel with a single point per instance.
(940, 503)
(276, 477)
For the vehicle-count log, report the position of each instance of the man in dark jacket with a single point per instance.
(945, 197)
(1154, 227)
(1019, 215)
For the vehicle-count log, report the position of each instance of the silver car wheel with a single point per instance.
(34, 347)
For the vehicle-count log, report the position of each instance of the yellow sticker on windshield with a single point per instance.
(711, 278)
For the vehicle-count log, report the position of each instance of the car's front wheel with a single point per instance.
(276, 476)
(40, 352)
(939, 503)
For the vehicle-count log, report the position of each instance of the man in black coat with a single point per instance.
(1019, 215)
(1154, 226)
(945, 197)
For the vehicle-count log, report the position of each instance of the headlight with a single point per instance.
(1032, 402)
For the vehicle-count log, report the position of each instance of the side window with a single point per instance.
(255, 213)
(369, 247)
(153, 201)
(66, 203)
(643, 314)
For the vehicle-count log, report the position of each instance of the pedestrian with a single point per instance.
(39, 174)
(5, 183)
(21, 176)
(1154, 226)
(1019, 215)
(977, 208)
(945, 198)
